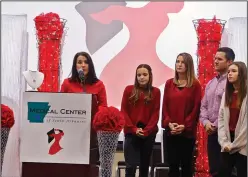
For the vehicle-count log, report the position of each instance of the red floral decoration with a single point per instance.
(7, 117)
(109, 119)
(209, 34)
(49, 31)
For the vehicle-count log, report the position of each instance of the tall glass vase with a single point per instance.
(4, 140)
(209, 34)
(50, 32)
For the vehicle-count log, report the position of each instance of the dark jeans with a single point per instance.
(179, 150)
(214, 154)
(137, 152)
(228, 161)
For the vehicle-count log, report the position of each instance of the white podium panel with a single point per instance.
(55, 127)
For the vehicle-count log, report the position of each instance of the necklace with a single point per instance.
(32, 77)
(183, 82)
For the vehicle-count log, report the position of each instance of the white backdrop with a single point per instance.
(178, 36)
(237, 37)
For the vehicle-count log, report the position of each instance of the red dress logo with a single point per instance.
(53, 135)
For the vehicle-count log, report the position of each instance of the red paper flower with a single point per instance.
(209, 30)
(7, 116)
(49, 26)
(108, 119)
(49, 32)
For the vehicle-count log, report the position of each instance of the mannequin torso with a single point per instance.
(33, 78)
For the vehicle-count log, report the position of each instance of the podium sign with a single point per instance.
(56, 128)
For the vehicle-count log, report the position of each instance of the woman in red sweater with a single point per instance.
(140, 104)
(180, 112)
(88, 83)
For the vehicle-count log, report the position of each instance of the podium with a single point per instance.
(41, 169)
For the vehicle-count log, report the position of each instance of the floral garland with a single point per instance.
(7, 117)
(49, 31)
(209, 34)
(108, 119)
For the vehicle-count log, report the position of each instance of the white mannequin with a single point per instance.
(33, 78)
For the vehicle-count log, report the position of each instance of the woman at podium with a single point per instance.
(83, 79)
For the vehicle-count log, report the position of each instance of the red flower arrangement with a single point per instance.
(109, 119)
(209, 30)
(7, 117)
(49, 32)
(209, 34)
(49, 26)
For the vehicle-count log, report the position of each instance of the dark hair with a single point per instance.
(50, 138)
(136, 90)
(190, 71)
(91, 76)
(229, 53)
(242, 82)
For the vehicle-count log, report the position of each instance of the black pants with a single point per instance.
(228, 161)
(214, 154)
(137, 152)
(179, 150)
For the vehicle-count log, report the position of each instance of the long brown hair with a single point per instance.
(137, 89)
(190, 71)
(242, 83)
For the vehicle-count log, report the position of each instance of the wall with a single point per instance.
(178, 36)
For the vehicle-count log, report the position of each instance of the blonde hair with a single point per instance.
(190, 71)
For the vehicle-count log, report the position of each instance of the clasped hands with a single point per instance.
(210, 128)
(176, 129)
(139, 132)
(227, 149)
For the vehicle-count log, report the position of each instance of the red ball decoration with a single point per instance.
(109, 119)
(7, 117)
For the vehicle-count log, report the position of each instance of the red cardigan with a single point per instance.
(181, 106)
(97, 89)
(148, 114)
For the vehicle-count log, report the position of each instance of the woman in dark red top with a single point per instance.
(140, 104)
(88, 83)
(232, 122)
(180, 112)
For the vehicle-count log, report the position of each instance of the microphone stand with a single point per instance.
(83, 84)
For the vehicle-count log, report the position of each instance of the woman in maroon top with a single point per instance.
(140, 104)
(180, 112)
(232, 122)
(89, 83)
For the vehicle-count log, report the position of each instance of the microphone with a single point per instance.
(82, 78)
(81, 75)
